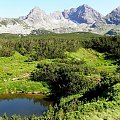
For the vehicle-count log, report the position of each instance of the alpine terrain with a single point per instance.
(81, 19)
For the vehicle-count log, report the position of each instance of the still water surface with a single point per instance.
(23, 104)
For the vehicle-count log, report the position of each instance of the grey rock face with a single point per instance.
(82, 14)
(113, 17)
(83, 18)
(57, 15)
(37, 18)
(99, 22)
(113, 32)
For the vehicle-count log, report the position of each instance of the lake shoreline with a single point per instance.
(29, 103)
(26, 93)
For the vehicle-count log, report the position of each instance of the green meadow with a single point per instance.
(81, 71)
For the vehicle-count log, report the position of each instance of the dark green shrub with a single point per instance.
(6, 52)
(64, 79)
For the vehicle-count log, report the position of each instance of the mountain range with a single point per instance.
(80, 19)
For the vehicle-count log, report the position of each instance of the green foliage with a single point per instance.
(101, 90)
(23, 86)
(44, 46)
(15, 74)
(107, 44)
(101, 109)
(84, 81)
(39, 32)
(64, 79)
(6, 52)
(15, 67)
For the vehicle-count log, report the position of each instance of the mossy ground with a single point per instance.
(14, 75)
(17, 67)
(93, 59)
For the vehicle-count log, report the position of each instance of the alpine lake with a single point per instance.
(23, 104)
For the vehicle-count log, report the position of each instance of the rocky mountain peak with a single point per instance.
(84, 9)
(114, 17)
(82, 14)
(118, 8)
(36, 10)
(85, 6)
(38, 18)
(82, 18)
(35, 13)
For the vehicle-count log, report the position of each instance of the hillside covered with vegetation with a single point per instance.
(79, 70)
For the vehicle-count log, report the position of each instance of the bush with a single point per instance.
(64, 79)
(6, 52)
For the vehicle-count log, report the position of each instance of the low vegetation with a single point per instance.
(15, 73)
(80, 70)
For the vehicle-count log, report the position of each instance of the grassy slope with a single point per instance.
(100, 110)
(15, 67)
(96, 60)
(93, 59)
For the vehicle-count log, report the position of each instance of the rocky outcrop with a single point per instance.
(114, 31)
(81, 19)
(37, 18)
(14, 26)
(82, 14)
(113, 17)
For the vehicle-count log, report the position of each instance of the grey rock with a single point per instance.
(57, 15)
(113, 17)
(81, 19)
(82, 14)
(114, 31)
(38, 18)
(99, 22)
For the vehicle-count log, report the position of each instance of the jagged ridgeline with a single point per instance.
(83, 18)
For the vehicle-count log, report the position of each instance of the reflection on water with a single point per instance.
(23, 104)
